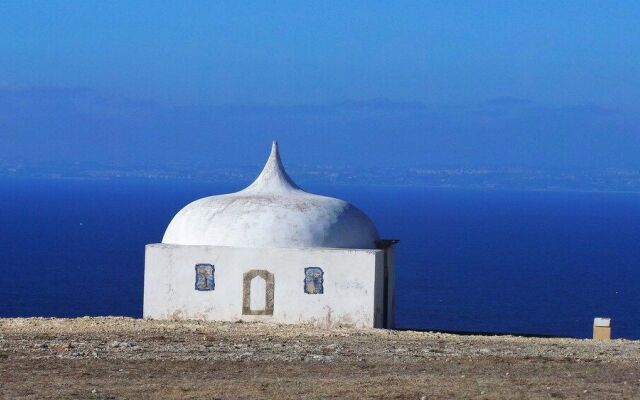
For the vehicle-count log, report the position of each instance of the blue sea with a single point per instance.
(538, 263)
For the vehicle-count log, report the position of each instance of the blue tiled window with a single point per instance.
(204, 277)
(313, 280)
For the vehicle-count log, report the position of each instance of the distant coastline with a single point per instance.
(613, 180)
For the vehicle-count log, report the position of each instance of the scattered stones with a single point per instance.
(111, 338)
(145, 351)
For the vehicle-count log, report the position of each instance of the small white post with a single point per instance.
(602, 329)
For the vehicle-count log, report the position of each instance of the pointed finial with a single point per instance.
(275, 152)
(273, 177)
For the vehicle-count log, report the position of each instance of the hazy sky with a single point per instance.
(457, 83)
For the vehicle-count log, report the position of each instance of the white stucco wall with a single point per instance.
(391, 301)
(352, 284)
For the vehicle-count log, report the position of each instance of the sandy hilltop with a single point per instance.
(113, 358)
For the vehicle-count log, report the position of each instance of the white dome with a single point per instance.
(272, 212)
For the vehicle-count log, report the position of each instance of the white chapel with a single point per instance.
(275, 253)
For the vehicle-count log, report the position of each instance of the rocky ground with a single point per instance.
(117, 358)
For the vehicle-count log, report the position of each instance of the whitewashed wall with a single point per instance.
(352, 284)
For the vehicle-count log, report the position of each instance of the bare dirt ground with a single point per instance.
(114, 358)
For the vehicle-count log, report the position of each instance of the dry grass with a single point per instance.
(126, 358)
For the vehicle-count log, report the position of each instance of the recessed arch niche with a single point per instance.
(257, 282)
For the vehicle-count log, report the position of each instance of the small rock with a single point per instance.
(320, 357)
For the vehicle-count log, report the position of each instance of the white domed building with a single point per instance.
(271, 252)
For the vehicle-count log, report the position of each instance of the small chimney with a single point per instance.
(602, 329)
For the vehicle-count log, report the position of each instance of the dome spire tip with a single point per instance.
(273, 177)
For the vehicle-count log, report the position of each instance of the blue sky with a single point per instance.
(456, 83)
